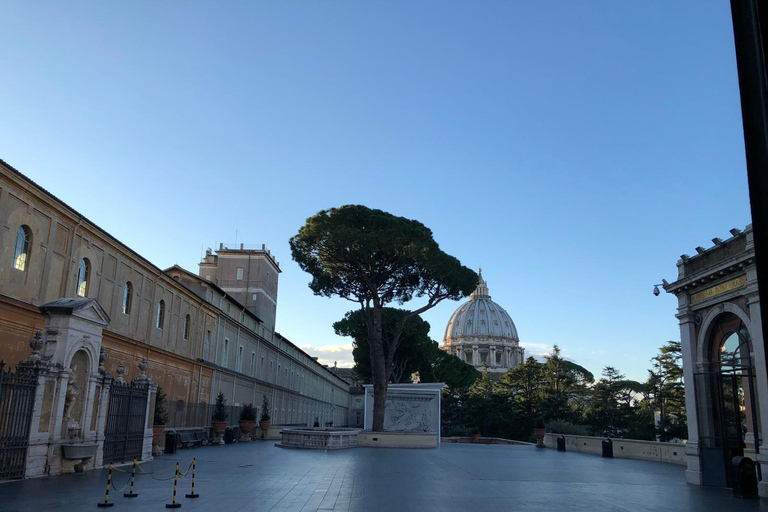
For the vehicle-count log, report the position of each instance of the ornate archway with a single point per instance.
(726, 399)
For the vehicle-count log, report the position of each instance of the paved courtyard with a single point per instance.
(468, 478)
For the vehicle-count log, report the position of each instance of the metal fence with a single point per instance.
(126, 418)
(17, 399)
(186, 415)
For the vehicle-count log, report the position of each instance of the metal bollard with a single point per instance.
(173, 503)
(561, 443)
(193, 494)
(106, 502)
(130, 493)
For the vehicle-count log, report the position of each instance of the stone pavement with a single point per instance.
(457, 477)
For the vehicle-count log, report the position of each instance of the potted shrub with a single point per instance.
(247, 420)
(219, 418)
(317, 422)
(539, 430)
(475, 434)
(160, 417)
(264, 418)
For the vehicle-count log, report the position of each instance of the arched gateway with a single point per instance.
(724, 361)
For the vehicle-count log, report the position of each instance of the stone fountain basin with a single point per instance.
(79, 450)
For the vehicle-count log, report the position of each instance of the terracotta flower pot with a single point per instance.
(264, 426)
(539, 432)
(246, 427)
(157, 433)
(219, 427)
(475, 437)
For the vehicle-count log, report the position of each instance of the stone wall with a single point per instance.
(673, 453)
(397, 439)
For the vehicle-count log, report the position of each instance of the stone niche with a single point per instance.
(66, 431)
(410, 408)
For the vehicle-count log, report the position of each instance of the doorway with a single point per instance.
(726, 402)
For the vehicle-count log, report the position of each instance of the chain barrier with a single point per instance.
(178, 474)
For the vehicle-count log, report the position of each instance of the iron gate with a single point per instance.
(124, 432)
(17, 400)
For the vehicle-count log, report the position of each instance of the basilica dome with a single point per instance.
(482, 333)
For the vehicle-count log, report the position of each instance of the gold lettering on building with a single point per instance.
(717, 290)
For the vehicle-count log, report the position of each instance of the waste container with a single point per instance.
(607, 449)
(744, 478)
(229, 436)
(170, 441)
(561, 443)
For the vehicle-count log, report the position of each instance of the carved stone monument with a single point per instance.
(410, 407)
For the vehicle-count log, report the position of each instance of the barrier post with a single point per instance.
(131, 494)
(173, 503)
(106, 502)
(193, 494)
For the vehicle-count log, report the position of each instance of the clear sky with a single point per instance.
(573, 150)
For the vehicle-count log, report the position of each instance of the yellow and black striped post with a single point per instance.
(132, 494)
(106, 502)
(193, 494)
(173, 504)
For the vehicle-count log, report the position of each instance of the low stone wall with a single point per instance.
(397, 439)
(673, 453)
(484, 440)
(319, 438)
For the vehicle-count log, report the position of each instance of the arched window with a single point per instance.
(160, 314)
(732, 343)
(83, 275)
(21, 251)
(127, 298)
(186, 327)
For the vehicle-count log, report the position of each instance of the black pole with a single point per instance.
(750, 41)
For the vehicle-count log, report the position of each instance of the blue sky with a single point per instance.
(573, 150)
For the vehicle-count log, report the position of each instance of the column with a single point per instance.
(688, 345)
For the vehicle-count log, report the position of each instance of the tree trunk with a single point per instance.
(378, 371)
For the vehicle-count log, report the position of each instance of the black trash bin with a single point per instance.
(607, 449)
(744, 478)
(170, 441)
(229, 436)
(561, 443)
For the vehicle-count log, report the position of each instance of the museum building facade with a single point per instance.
(200, 334)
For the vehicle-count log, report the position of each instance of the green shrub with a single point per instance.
(161, 416)
(264, 409)
(220, 408)
(248, 413)
(567, 428)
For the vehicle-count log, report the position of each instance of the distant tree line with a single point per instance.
(570, 401)
(564, 394)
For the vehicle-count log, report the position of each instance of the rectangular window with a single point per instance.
(240, 358)
(240, 274)
(207, 346)
(225, 353)
(253, 364)
(254, 296)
